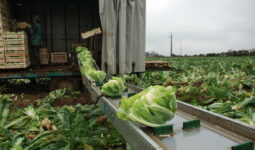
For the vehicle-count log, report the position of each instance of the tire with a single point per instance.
(64, 82)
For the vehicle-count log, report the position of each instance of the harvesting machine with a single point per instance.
(120, 49)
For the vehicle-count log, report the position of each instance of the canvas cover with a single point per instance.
(123, 24)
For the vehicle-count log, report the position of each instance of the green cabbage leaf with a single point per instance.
(115, 86)
(152, 107)
(95, 76)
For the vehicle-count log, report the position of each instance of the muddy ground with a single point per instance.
(28, 92)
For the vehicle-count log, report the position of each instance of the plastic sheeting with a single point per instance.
(123, 23)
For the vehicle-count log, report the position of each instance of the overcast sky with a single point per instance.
(205, 26)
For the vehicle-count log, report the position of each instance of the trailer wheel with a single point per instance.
(64, 82)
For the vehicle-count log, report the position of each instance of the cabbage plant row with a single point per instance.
(224, 85)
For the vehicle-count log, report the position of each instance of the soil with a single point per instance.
(28, 93)
(82, 99)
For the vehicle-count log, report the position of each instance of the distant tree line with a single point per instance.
(153, 54)
(250, 52)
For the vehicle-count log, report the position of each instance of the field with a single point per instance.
(33, 118)
(224, 85)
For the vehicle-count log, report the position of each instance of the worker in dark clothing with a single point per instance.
(36, 40)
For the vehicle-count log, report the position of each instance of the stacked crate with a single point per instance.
(44, 56)
(13, 45)
(16, 50)
(58, 58)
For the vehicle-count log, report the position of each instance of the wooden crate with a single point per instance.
(2, 60)
(15, 59)
(21, 53)
(16, 35)
(1, 43)
(2, 65)
(17, 65)
(1, 49)
(44, 56)
(58, 58)
(91, 33)
(2, 52)
(16, 50)
(44, 53)
(2, 55)
(16, 53)
(17, 62)
(44, 61)
(14, 42)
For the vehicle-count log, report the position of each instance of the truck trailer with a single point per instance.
(119, 49)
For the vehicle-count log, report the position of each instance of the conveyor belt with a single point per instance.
(209, 136)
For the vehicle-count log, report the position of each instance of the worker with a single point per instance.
(36, 40)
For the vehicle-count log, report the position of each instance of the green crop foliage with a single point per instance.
(223, 85)
(79, 127)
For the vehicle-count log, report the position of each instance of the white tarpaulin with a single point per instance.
(123, 23)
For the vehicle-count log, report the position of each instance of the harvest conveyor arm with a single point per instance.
(216, 131)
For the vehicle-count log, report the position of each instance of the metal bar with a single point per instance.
(219, 120)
